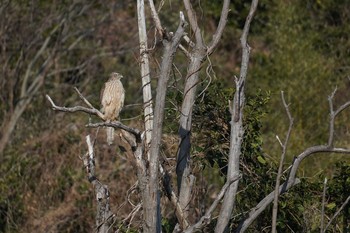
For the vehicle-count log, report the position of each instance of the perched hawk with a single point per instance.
(112, 100)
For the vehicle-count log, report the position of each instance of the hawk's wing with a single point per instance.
(104, 98)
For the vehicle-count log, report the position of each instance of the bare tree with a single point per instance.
(31, 54)
(101, 191)
(198, 54)
(103, 213)
(171, 43)
(237, 131)
(292, 176)
(280, 168)
(145, 145)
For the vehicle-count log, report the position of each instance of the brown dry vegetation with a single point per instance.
(44, 186)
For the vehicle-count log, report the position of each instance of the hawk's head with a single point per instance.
(115, 75)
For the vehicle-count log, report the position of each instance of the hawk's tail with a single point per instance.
(110, 135)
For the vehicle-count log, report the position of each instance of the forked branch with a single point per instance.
(156, 19)
(102, 193)
(292, 180)
(93, 111)
(337, 213)
(237, 129)
(207, 217)
(280, 168)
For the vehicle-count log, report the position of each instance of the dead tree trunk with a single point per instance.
(151, 200)
(145, 73)
(237, 130)
(183, 169)
(103, 213)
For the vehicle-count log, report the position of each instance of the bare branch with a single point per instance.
(337, 213)
(289, 183)
(279, 141)
(222, 23)
(102, 193)
(341, 108)
(280, 168)
(89, 160)
(188, 40)
(156, 19)
(237, 130)
(83, 98)
(24, 90)
(197, 56)
(193, 23)
(331, 119)
(118, 125)
(92, 111)
(188, 55)
(333, 114)
(323, 203)
(206, 218)
(133, 213)
(174, 199)
(260, 207)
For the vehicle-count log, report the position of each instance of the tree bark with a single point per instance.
(183, 169)
(151, 203)
(145, 73)
(237, 131)
(103, 212)
(280, 168)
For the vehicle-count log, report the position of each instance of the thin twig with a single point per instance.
(118, 125)
(292, 179)
(92, 111)
(83, 98)
(173, 198)
(280, 168)
(333, 114)
(156, 19)
(331, 120)
(337, 213)
(206, 218)
(323, 203)
(191, 15)
(188, 55)
(134, 212)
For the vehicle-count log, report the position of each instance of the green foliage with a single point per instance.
(298, 58)
(213, 129)
(255, 112)
(259, 172)
(338, 192)
(168, 225)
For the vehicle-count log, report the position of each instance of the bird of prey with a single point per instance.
(112, 100)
